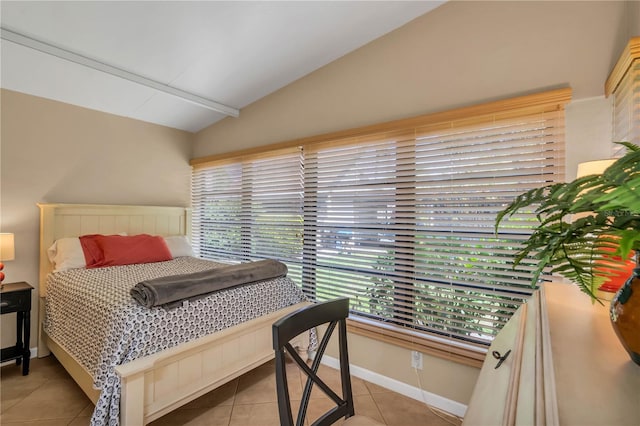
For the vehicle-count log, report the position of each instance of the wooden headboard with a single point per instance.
(72, 220)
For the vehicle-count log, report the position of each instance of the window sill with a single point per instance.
(463, 353)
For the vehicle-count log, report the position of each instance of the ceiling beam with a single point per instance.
(68, 55)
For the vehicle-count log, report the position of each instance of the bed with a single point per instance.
(155, 384)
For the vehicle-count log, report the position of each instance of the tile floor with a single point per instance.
(49, 397)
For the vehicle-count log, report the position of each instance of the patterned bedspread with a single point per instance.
(92, 315)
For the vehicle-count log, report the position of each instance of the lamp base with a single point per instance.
(608, 290)
(605, 294)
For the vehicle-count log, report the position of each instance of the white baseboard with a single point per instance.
(402, 388)
(33, 351)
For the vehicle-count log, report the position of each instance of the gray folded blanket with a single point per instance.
(170, 292)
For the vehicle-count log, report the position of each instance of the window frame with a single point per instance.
(463, 352)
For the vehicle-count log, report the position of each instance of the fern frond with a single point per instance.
(605, 222)
(528, 198)
(631, 147)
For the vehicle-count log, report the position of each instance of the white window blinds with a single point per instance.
(401, 220)
(404, 225)
(624, 84)
(250, 209)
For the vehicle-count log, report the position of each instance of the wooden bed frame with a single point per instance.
(157, 384)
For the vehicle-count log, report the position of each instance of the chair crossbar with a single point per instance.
(312, 375)
(333, 313)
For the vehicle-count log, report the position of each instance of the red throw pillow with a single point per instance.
(117, 250)
(91, 249)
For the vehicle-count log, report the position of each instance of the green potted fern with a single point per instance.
(581, 223)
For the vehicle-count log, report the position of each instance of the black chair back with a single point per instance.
(334, 313)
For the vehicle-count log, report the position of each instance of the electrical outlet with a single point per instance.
(416, 360)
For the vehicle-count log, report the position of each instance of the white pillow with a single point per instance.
(179, 246)
(66, 253)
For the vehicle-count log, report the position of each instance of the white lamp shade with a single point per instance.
(595, 167)
(587, 168)
(7, 250)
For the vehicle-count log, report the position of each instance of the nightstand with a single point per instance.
(16, 297)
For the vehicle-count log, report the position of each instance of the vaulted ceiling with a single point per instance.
(181, 64)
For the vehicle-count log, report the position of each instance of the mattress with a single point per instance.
(91, 314)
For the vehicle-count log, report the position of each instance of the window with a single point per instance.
(624, 84)
(250, 209)
(400, 217)
(404, 225)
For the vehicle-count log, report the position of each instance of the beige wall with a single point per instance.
(633, 18)
(55, 152)
(460, 54)
(438, 376)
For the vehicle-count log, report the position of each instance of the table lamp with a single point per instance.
(7, 250)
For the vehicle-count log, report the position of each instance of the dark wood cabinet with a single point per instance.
(16, 297)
